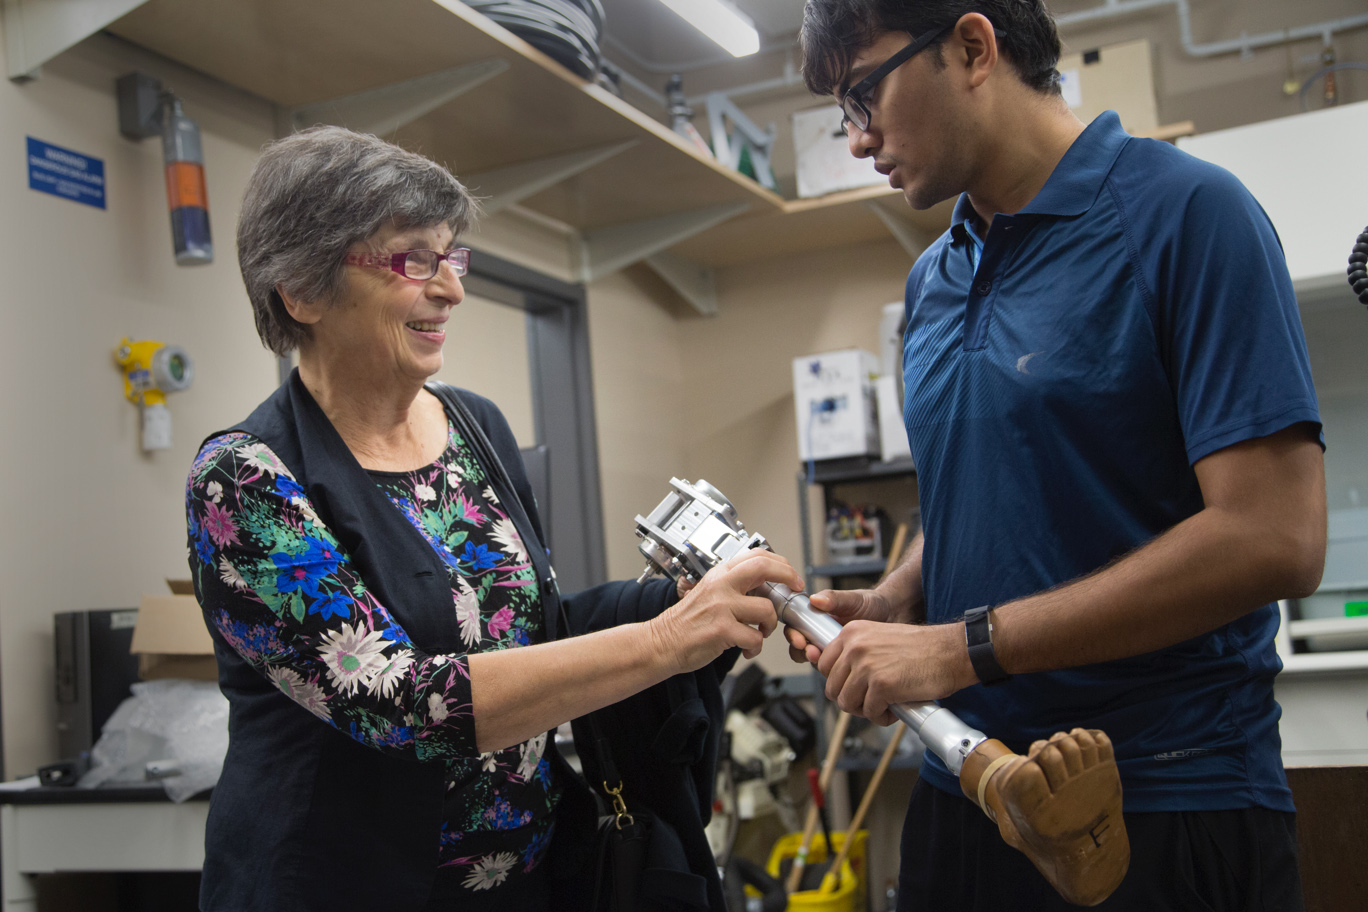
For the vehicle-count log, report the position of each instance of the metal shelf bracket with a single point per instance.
(906, 235)
(695, 284)
(606, 250)
(385, 109)
(503, 187)
(38, 30)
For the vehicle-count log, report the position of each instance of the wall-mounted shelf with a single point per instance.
(637, 190)
(297, 53)
(838, 219)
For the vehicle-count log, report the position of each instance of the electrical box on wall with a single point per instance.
(1117, 78)
(833, 394)
(151, 370)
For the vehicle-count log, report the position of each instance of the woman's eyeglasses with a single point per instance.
(419, 265)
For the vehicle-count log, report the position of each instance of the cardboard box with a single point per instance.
(833, 394)
(171, 640)
(892, 432)
(825, 164)
(1117, 78)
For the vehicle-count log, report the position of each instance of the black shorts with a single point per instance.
(954, 860)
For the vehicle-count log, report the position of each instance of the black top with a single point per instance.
(306, 818)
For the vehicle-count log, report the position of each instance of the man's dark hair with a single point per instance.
(835, 30)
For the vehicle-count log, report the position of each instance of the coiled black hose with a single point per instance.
(1358, 268)
(566, 30)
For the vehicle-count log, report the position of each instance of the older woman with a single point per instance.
(370, 565)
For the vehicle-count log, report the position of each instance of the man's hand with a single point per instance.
(872, 665)
(845, 605)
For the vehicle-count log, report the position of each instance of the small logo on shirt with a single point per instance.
(1024, 360)
(1186, 754)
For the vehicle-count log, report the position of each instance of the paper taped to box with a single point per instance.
(825, 164)
(171, 640)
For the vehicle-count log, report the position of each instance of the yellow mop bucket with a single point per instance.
(852, 894)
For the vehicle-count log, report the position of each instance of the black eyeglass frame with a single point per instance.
(853, 106)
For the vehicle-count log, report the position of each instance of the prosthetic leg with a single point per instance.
(1060, 804)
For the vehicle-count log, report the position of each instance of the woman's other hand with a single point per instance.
(718, 613)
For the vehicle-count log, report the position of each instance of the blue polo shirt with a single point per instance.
(1061, 382)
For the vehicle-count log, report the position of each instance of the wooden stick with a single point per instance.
(866, 801)
(824, 780)
(895, 550)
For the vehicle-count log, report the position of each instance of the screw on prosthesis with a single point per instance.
(1060, 805)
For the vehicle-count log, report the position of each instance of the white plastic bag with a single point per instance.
(179, 724)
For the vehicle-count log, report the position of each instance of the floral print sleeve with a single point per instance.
(276, 585)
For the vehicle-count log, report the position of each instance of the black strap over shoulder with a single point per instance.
(474, 435)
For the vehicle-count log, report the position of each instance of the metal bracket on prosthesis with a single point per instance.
(1074, 834)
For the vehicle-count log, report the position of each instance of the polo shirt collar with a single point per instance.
(1076, 181)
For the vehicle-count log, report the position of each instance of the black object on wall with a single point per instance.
(95, 672)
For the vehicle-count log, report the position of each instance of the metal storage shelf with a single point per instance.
(871, 567)
(828, 474)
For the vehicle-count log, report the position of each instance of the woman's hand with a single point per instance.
(845, 605)
(718, 613)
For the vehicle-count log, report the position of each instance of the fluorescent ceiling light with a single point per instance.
(721, 22)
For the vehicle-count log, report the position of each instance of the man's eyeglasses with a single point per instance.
(855, 102)
(419, 265)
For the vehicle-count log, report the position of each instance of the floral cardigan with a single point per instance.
(286, 597)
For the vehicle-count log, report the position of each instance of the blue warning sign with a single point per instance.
(62, 172)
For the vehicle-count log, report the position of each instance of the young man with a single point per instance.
(1118, 448)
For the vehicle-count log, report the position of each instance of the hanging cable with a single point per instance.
(1322, 73)
(1358, 268)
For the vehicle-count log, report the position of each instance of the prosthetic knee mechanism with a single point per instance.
(1060, 804)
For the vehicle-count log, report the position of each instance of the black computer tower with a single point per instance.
(94, 673)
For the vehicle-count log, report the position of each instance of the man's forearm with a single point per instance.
(1204, 572)
(903, 587)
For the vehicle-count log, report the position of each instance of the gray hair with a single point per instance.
(312, 196)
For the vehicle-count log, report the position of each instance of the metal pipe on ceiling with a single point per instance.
(1112, 9)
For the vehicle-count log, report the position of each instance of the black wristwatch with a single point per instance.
(978, 633)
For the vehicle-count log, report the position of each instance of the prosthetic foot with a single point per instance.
(1060, 805)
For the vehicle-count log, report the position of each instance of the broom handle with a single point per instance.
(824, 779)
(868, 799)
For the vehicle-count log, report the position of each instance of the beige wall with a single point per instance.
(739, 409)
(678, 394)
(89, 521)
(486, 352)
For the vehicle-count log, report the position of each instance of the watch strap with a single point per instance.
(978, 635)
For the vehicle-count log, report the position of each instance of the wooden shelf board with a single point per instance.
(294, 52)
(826, 222)
(840, 198)
(1170, 132)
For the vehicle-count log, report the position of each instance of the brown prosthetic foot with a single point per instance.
(1060, 805)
